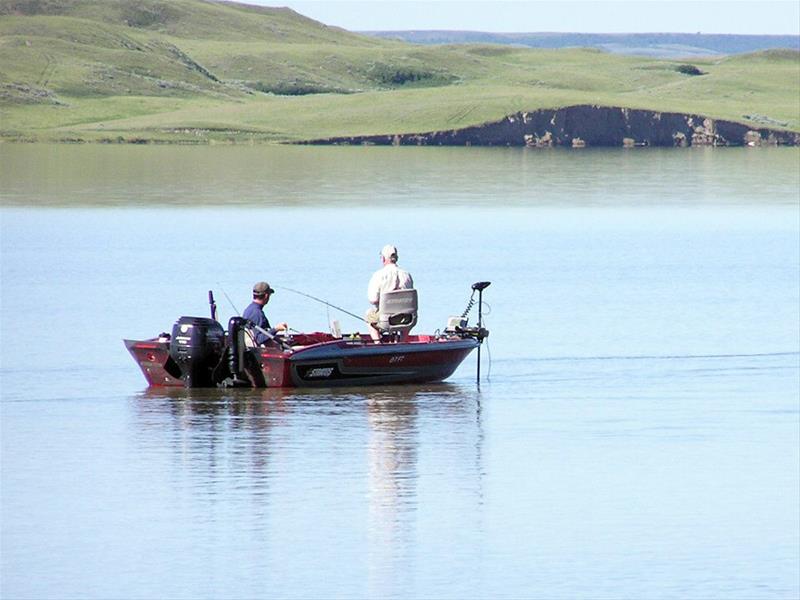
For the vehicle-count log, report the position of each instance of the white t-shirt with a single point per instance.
(389, 278)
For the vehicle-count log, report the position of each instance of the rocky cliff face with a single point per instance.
(588, 125)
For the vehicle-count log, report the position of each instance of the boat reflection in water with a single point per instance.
(304, 467)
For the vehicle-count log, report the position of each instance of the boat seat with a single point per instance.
(397, 311)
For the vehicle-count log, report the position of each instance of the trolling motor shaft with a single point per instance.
(482, 333)
(458, 325)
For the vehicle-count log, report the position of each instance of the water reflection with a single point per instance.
(278, 176)
(392, 451)
(213, 421)
(371, 457)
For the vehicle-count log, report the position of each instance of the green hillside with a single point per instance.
(189, 70)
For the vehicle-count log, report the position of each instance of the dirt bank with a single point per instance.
(588, 125)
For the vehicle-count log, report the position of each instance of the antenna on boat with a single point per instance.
(479, 286)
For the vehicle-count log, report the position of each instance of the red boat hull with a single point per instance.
(319, 360)
(153, 359)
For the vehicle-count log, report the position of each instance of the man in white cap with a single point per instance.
(255, 313)
(386, 279)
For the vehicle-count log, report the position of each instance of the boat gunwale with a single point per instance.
(369, 348)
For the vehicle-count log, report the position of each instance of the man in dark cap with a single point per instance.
(255, 313)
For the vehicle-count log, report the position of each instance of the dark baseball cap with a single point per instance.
(262, 287)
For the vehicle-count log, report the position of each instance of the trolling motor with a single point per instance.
(459, 325)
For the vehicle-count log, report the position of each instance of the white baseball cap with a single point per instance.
(388, 252)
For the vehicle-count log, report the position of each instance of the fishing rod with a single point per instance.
(228, 298)
(214, 306)
(325, 302)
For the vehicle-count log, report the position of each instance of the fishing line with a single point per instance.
(484, 307)
(488, 353)
(325, 302)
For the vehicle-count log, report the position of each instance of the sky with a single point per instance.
(583, 16)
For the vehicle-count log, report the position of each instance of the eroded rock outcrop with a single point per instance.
(589, 125)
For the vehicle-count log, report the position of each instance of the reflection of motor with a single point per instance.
(196, 347)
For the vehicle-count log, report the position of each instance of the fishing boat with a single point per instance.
(199, 352)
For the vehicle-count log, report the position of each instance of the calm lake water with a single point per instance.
(636, 433)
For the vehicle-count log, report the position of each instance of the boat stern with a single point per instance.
(154, 360)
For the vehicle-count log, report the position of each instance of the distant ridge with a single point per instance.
(657, 45)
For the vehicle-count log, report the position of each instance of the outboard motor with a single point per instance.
(236, 354)
(196, 346)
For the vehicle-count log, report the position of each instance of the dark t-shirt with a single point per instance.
(255, 314)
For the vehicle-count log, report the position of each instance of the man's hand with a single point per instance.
(281, 327)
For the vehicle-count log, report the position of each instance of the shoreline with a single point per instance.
(584, 125)
(578, 126)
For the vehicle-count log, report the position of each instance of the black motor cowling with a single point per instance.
(197, 346)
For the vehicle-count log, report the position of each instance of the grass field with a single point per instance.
(192, 70)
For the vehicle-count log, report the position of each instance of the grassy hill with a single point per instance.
(189, 70)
